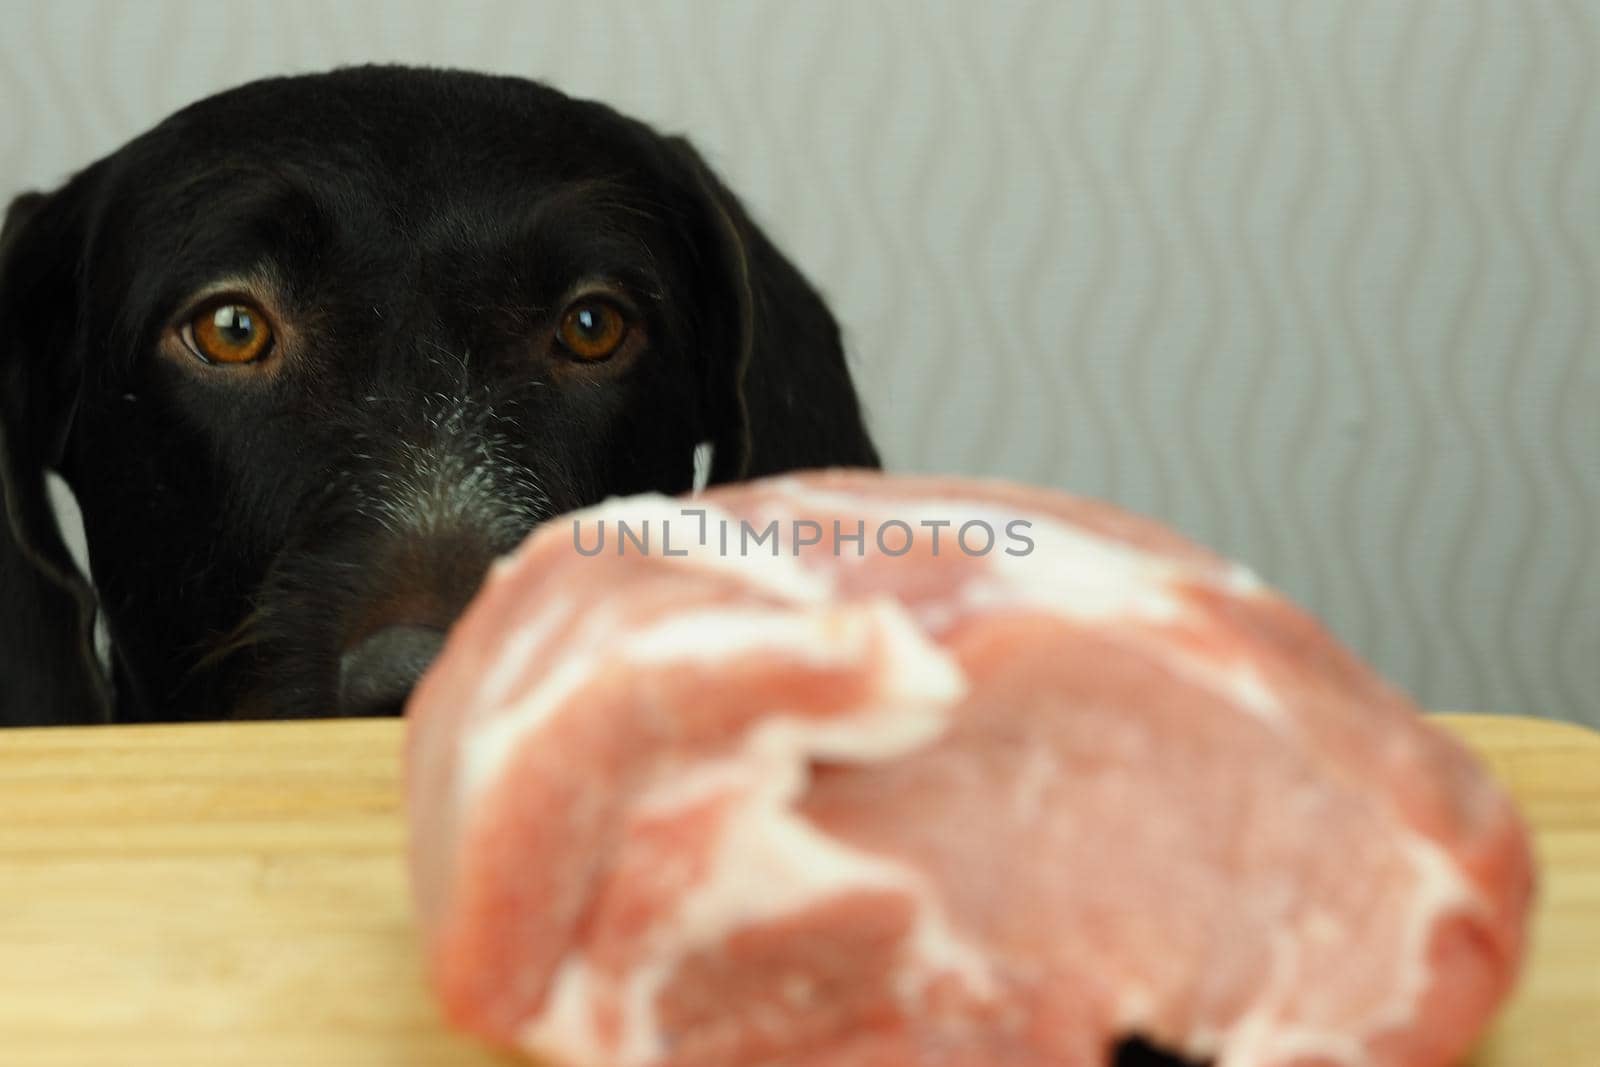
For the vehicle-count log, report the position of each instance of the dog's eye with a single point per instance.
(592, 329)
(228, 331)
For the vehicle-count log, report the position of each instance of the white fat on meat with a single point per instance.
(769, 861)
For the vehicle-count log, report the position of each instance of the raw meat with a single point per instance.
(848, 806)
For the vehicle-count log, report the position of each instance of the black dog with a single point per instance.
(312, 352)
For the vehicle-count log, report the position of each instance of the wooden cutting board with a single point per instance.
(234, 894)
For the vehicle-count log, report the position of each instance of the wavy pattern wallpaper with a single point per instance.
(1315, 282)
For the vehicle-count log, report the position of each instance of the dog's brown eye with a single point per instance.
(229, 331)
(592, 329)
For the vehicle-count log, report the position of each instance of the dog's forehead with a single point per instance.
(395, 110)
(363, 173)
(386, 135)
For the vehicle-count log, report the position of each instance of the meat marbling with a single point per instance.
(835, 807)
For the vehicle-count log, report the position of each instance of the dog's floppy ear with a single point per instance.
(48, 669)
(778, 393)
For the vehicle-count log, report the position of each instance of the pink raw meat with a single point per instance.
(954, 808)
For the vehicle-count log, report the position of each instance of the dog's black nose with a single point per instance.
(377, 673)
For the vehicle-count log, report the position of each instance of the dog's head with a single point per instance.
(313, 351)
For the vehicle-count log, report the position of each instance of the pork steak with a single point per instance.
(847, 770)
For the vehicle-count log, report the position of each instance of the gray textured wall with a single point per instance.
(1315, 282)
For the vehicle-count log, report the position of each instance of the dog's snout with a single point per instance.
(377, 673)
